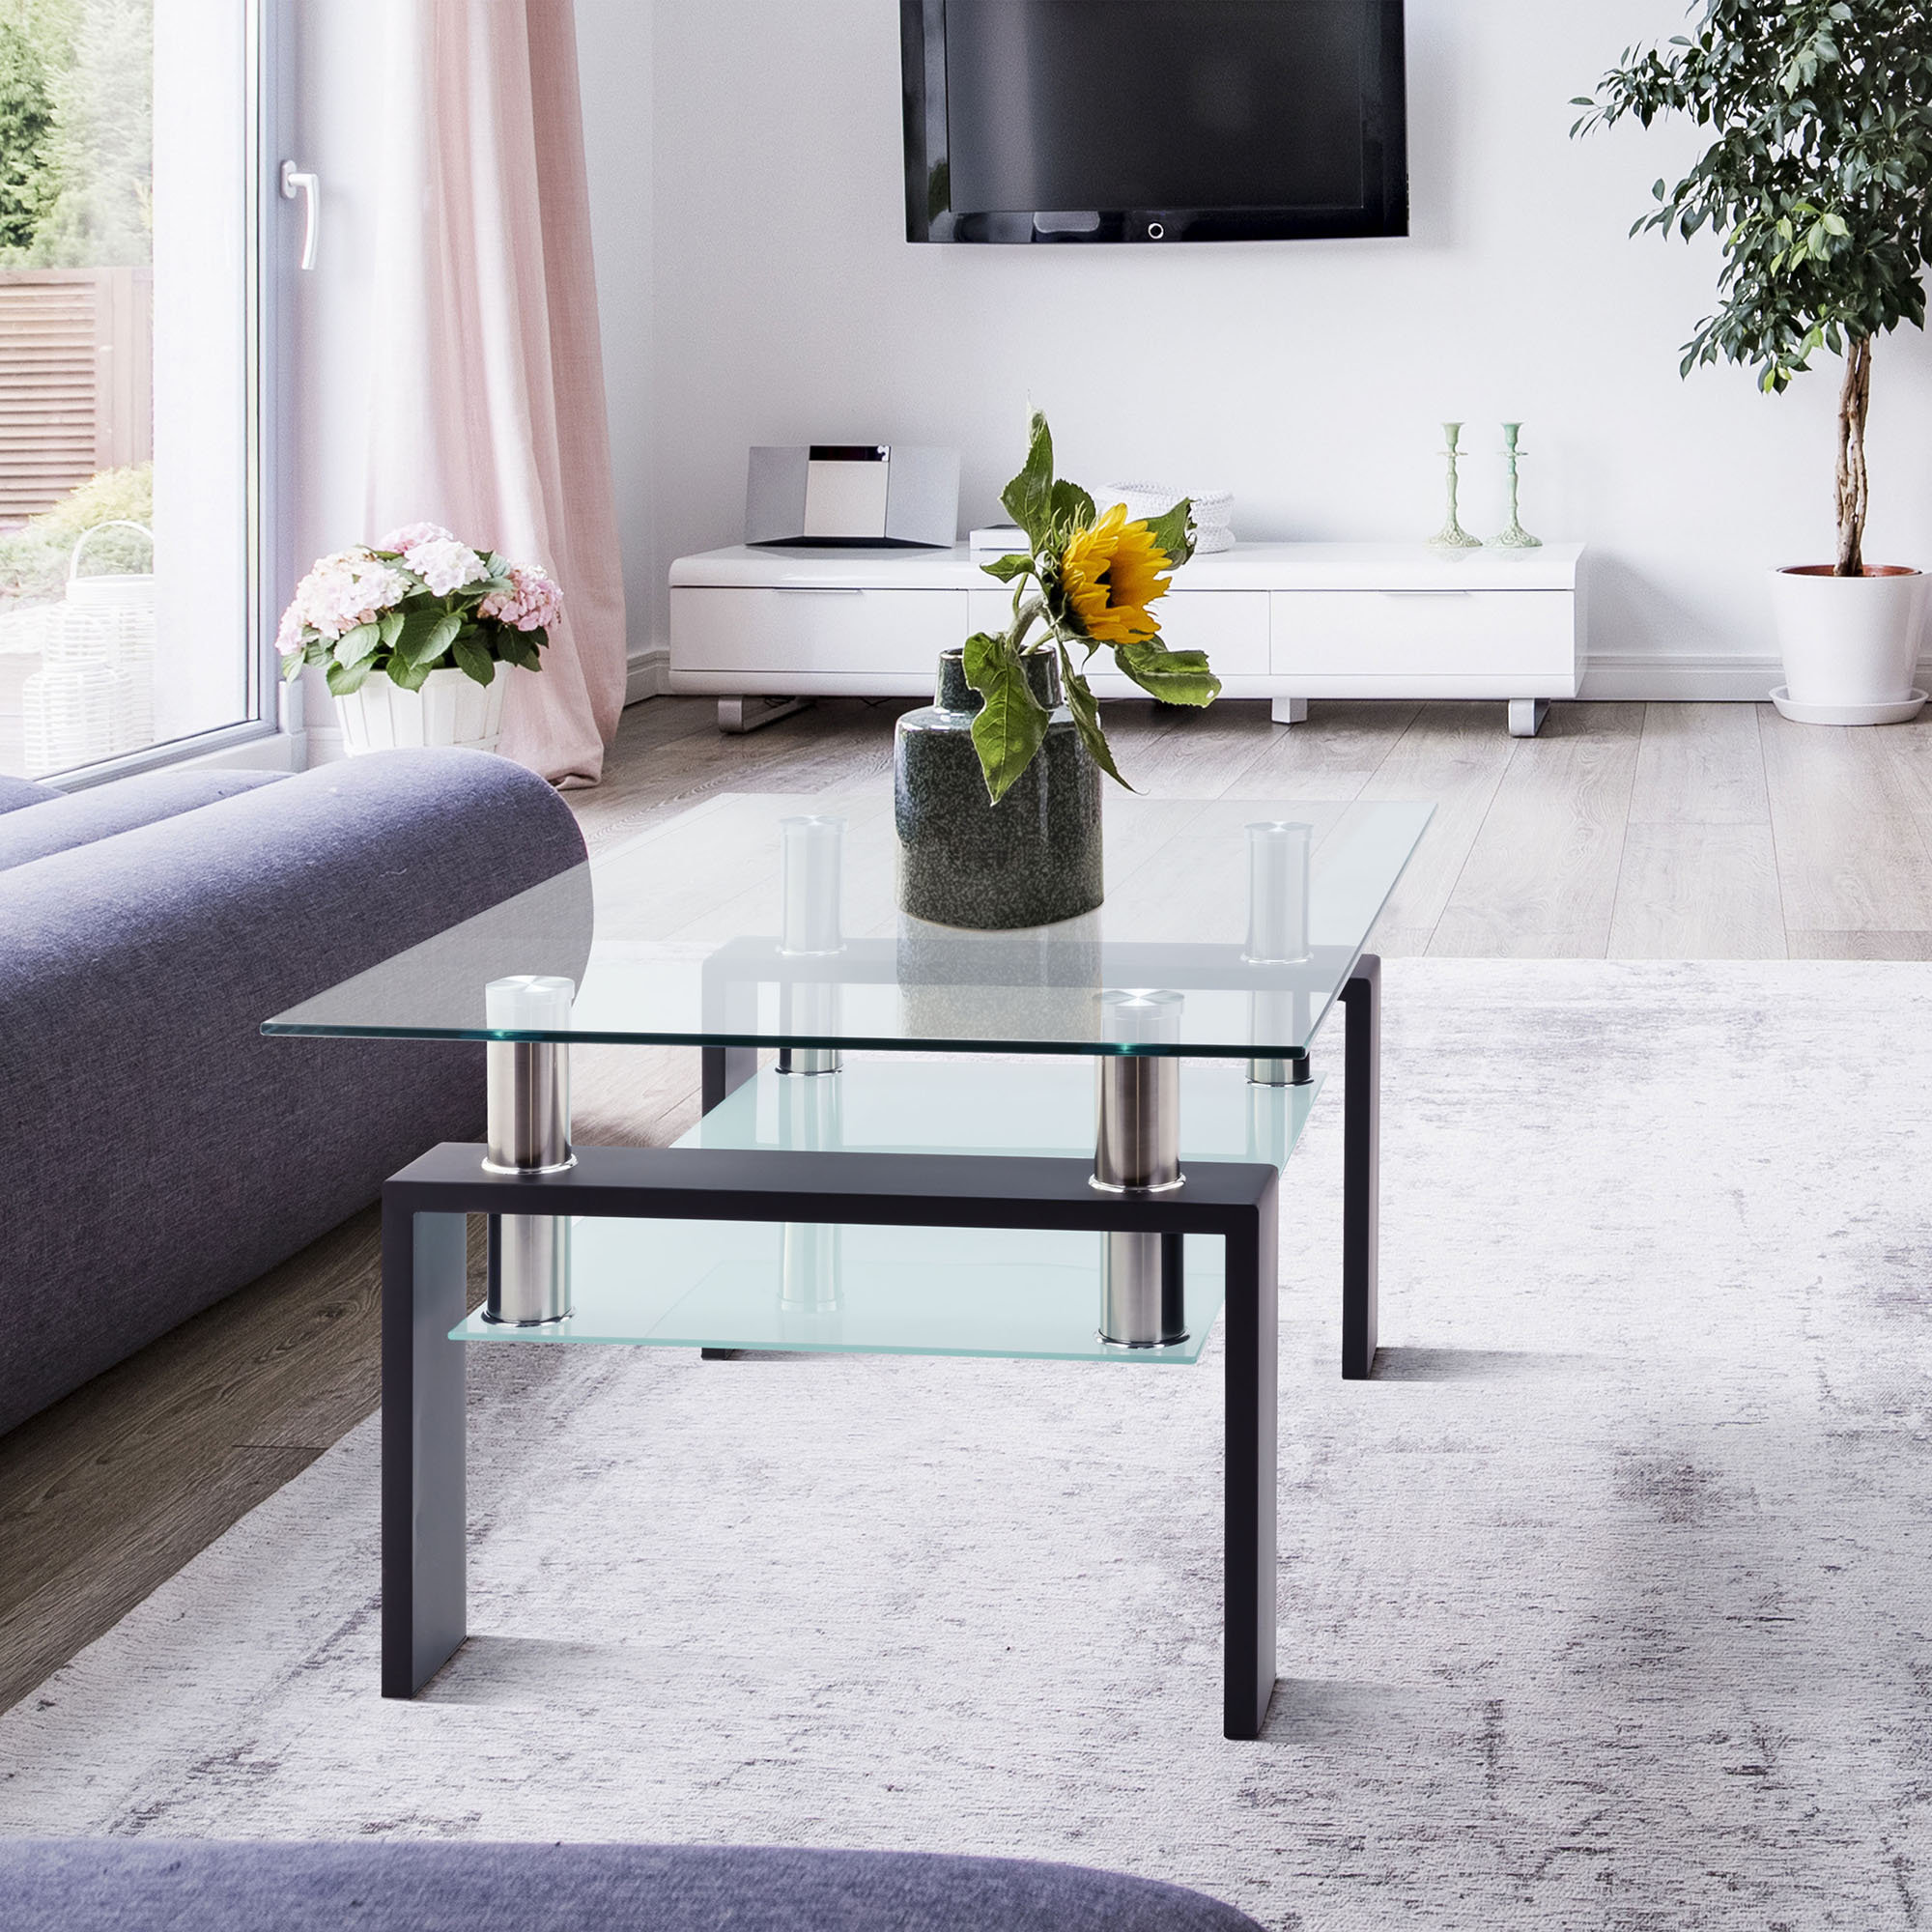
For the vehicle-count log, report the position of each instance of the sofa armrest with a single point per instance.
(161, 1152)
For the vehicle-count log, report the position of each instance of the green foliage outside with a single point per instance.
(33, 560)
(76, 133)
(28, 181)
(1817, 185)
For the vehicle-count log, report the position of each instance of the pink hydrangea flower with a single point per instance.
(532, 602)
(444, 565)
(342, 591)
(411, 535)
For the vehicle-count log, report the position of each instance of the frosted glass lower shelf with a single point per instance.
(858, 1291)
(905, 1290)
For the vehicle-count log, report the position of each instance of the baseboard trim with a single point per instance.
(648, 675)
(1691, 680)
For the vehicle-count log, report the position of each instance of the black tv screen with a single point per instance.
(1153, 120)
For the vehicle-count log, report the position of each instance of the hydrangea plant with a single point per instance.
(420, 600)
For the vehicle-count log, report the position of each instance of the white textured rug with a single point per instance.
(1609, 1603)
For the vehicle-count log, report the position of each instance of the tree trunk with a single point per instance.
(1853, 405)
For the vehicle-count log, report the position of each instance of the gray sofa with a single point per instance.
(121, 1886)
(159, 1151)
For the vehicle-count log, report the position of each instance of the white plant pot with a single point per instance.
(450, 709)
(1850, 644)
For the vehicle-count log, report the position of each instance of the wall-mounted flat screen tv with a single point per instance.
(1154, 121)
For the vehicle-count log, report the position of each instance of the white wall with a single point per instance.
(615, 51)
(1308, 377)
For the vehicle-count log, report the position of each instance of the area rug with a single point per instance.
(1607, 1603)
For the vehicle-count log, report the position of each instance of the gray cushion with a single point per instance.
(114, 1886)
(159, 1152)
(78, 818)
(16, 792)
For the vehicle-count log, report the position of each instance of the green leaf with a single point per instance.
(1174, 677)
(1028, 498)
(1070, 508)
(390, 624)
(353, 648)
(1174, 533)
(1086, 710)
(408, 676)
(426, 634)
(291, 667)
(1011, 727)
(472, 659)
(1006, 568)
(345, 678)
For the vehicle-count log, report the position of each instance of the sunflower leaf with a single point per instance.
(1006, 568)
(1069, 509)
(1011, 726)
(1174, 534)
(1174, 677)
(1086, 710)
(1028, 499)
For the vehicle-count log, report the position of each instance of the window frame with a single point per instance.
(267, 738)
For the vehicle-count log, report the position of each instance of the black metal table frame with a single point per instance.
(425, 1296)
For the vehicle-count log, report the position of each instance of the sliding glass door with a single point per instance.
(137, 347)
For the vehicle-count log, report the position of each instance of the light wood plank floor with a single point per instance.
(1626, 831)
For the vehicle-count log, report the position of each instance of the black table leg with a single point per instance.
(1253, 1315)
(424, 1296)
(726, 1069)
(1361, 1167)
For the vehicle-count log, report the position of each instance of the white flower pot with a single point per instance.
(1850, 644)
(450, 709)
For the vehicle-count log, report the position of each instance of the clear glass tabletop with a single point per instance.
(771, 920)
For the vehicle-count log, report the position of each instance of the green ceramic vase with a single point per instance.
(1032, 858)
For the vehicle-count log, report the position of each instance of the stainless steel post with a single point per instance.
(809, 1254)
(528, 1132)
(1278, 917)
(811, 852)
(1137, 1150)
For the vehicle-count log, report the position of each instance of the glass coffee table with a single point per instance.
(1063, 1143)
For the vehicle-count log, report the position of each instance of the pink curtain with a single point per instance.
(487, 404)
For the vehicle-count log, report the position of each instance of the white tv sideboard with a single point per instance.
(762, 629)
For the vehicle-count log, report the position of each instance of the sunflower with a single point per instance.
(1108, 575)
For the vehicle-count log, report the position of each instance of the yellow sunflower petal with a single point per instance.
(1112, 573)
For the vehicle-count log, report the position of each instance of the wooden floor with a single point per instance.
(1624, 831)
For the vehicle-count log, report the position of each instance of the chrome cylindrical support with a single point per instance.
(1278, 922)
(811, 858)
(1137, 1150)
(528, 1131)
(809, 1266)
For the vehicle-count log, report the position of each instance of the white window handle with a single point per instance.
(309, 187)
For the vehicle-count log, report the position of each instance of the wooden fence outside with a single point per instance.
(77, 380)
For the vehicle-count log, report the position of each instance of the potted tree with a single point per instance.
(1819, 188)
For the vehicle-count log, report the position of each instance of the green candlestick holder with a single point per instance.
(1516, 537)
(1452, 535)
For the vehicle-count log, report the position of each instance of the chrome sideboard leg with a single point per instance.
(1361, 1166)
(424, 1296)
(1527, 715)
(739, 714)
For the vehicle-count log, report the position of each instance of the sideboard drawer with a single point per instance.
(813, 629)
(1424, 634)
(1232, 626)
